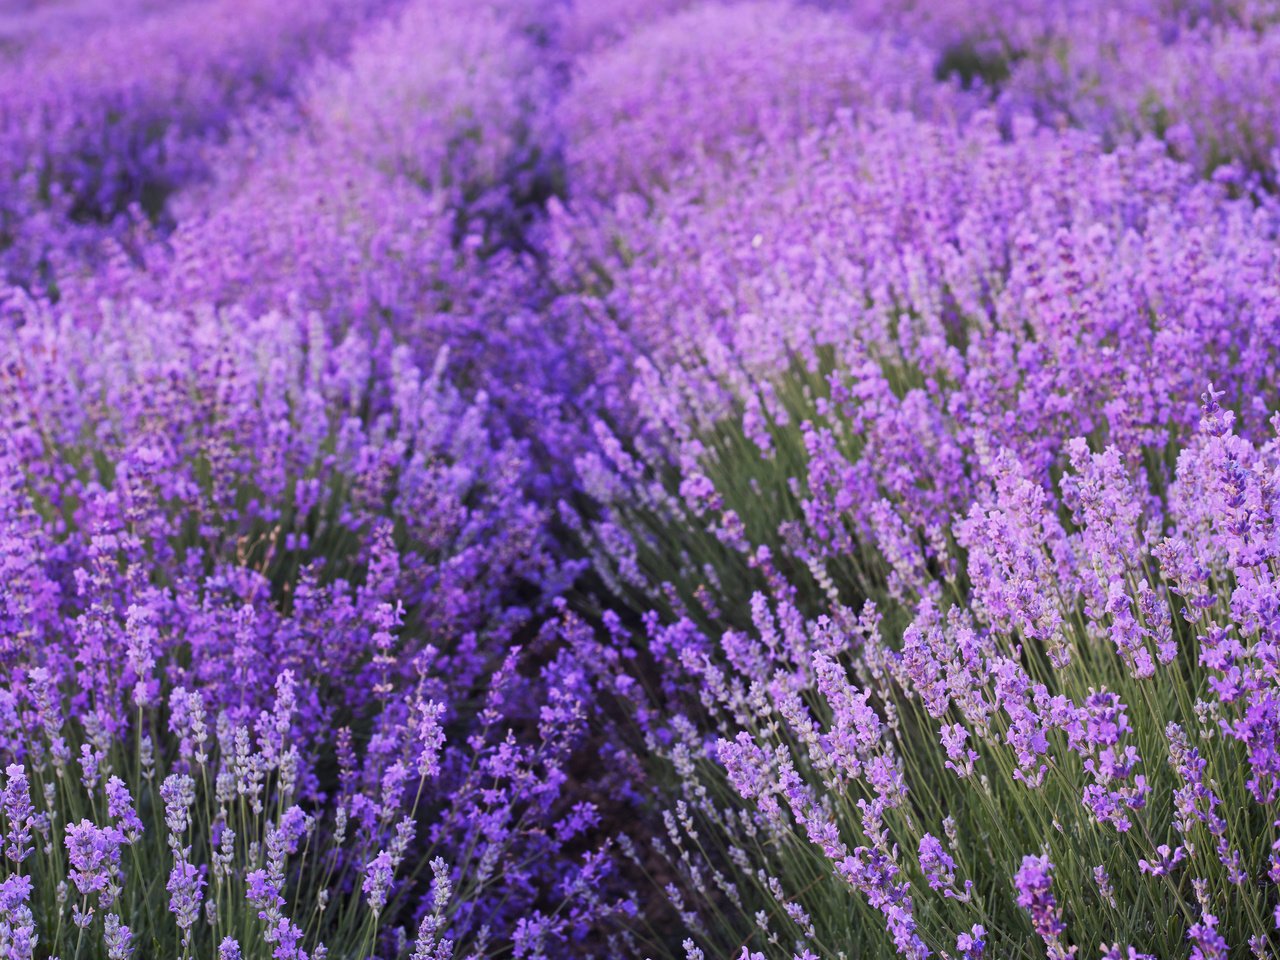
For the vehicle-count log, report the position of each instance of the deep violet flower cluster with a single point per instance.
(704, 479)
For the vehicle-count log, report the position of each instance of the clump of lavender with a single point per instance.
(839, 747)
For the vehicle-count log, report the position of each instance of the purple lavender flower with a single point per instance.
(1102, 880)
(959, 757)
(263, 893)
(1034, 885)
(971, 944)
(1164, 862)
(120, 808)
(178, 793)
(94, 856)
(1206, 942)
(16, 919)
(185, 886)
(940, 869)
(19, 813)
(430, 737)
(1116, 952)
(117, 938)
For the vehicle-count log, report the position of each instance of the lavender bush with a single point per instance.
(704, 480)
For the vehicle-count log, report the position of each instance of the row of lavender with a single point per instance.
(944, 585)
(274, 548)
(326, 358)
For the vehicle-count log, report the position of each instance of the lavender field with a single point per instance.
(655, 479)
